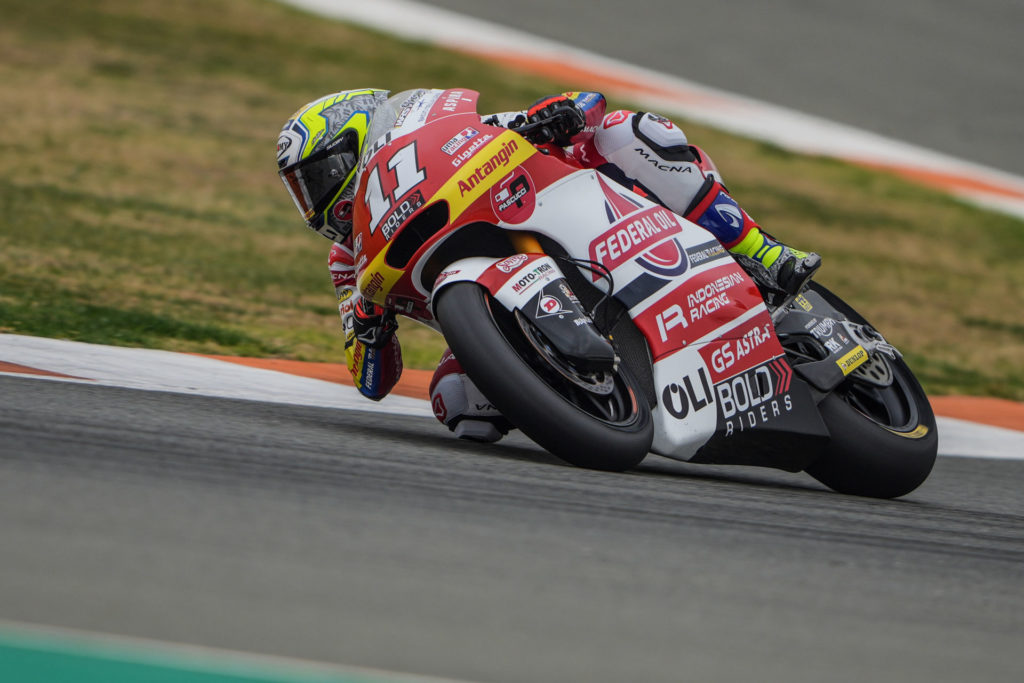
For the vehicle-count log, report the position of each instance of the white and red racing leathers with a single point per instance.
(642, 151)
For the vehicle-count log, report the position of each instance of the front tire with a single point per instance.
(604, 433)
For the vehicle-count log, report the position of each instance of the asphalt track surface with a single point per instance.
(943, 74)
(380, 541)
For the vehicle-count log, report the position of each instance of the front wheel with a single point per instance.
(610, 429)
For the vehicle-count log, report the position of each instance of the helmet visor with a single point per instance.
(315, 181)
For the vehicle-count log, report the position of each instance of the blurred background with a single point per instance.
(141, 206)
(938, 73)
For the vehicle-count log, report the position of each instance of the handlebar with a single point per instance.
(535, 125)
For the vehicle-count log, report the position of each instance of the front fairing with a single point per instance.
(428, 174)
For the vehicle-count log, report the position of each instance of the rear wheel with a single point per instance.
(884, 441)
(593, 420)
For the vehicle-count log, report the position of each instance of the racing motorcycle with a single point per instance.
(605, 327)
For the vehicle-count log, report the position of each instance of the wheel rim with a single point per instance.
(891, 407)
(607, 397)
(600, 383)
(889, 404)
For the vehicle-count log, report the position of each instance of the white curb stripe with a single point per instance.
(784, 127)
(153, 370)
(971, 440)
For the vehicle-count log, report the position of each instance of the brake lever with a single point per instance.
(533, 125)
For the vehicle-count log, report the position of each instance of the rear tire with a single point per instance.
(884, 440)
(866, 459)
(613, 433)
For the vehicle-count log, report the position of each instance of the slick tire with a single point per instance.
(866, 459)
(500, 365)
(869, 456)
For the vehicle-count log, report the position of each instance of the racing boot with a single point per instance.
(773, 264)
(460, 406)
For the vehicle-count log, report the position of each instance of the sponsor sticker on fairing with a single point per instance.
(705, 302)
(407, 107)
(706, 252)
(821, 329)
(633, 237)
(853, 360)
(549, 305)
(456, 143)
(755, 397)
(415, 110)
(686, 404)
(691, 393)
(733, 351)
(513, 199)
(405, 209)
(524, 282)
(376, 282)
(444, 276)
(450, 101)
(512, 263)
(467, 153)
(501, 159)
(540, 273)
(742, 347)
(712, 295)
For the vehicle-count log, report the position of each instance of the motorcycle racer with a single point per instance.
(318, 152)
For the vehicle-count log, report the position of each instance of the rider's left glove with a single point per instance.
(565, 120)
(373, 324)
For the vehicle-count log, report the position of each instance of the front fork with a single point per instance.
(568, 325)
(533, 288)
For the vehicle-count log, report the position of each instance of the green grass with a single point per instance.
(139, 203)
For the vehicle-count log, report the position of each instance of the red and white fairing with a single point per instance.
(715, 354)
(704, 320)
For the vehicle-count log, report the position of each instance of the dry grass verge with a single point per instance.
(140, 205)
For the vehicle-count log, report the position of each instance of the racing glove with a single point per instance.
(566, 121)
(373, 325)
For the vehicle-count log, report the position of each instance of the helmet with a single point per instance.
(318, 153)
